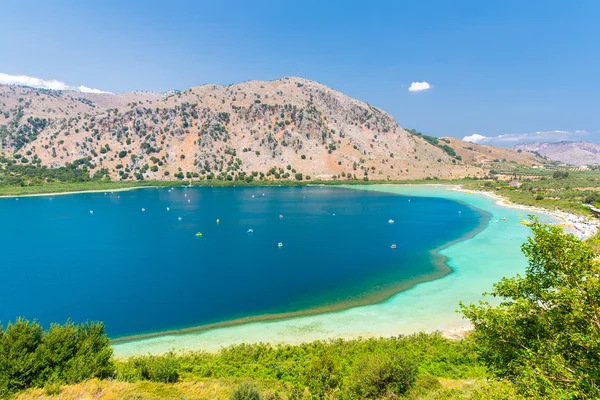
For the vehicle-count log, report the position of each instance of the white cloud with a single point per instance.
(419, 86)
(23, 80)
(509, 139)
(85, 89)
(475, 138)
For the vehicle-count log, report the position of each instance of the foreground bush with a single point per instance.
(381, 374)
(344, 369)
(32, 357)
(245, 391)
(545, 335)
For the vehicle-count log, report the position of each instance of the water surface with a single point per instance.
(147, 271)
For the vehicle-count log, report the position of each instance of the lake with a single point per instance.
(97, 256)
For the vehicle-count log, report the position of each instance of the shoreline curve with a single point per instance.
(372, 297)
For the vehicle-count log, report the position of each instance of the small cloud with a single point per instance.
(419, 86)
(23, 80)
(85, 89)
(475, 138)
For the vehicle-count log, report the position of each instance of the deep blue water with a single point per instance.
(147, 271)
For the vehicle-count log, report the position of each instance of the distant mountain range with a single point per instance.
(283, 129)
(575, 153)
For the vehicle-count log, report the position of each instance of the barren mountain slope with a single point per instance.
(273, 129)
(575, 153)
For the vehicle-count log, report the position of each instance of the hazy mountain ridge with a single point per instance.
(269, 129)
(575, 153)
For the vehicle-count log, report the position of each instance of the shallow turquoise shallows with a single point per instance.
(134, 259)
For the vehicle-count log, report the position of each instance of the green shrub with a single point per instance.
(32, 357)
(544, 335)
(245, 391)
(52, 389)
(163, 369)
(427, 383)
(381, 374)
(322, 374)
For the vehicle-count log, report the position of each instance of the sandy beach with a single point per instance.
(582, 227)
(78, 192)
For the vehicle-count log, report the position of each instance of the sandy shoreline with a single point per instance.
(583, 227)
(8, 196)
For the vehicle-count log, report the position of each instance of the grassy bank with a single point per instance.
(414, 367)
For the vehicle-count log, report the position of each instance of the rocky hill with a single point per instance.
(290, 128)
(575, 153)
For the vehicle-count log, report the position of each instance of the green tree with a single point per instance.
(381, 374)
(545, 333)
(245, 391)
(30, 356)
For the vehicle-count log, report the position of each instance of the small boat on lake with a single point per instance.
(143, 209)
(393, 246)
(391, 221)
(279, 244)
(218, 220)
(503, 219)
(199, 234)
(179, 218)
(250, 231)
(280, 216)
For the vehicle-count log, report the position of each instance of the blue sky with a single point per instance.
(495, 67)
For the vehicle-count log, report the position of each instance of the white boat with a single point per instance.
(168, 209)
(143, 209)
(250, 231)
(91, 212)
(279, 244)
(391, 221)
(280, 216)
(179, 218)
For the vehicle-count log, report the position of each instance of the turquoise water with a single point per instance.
(124, 259)
(476, 264)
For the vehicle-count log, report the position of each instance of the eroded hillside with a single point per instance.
(290, 128)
